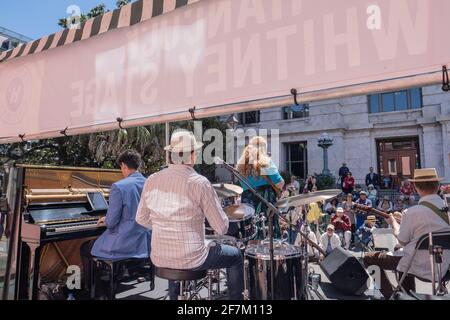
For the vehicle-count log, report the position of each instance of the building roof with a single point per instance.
(126, 16)
(9, 34)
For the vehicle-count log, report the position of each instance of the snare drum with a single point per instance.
(289, 279)
(242, 221)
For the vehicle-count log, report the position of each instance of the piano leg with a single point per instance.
(33, 271)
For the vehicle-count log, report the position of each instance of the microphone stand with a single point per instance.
(272, 212)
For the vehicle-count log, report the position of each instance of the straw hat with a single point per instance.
(183, 141)
(386, 198)
(330, 226)
(426, 175)
(371, 218)
(340, 209)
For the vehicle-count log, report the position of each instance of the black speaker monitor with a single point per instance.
(345, 272)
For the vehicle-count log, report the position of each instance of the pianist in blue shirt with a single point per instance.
(123, 237)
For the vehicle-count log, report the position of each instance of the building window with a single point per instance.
(297, 159)
(296, 112)
(249, 117)
(396, 101)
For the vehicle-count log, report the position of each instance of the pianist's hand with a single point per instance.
(101, 221)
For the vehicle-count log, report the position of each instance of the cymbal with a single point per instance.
(308, 198)
(225, 190)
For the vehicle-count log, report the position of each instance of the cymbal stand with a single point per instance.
(311, 285)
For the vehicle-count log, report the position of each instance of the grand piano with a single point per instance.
(53, 212)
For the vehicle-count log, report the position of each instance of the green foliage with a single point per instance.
(96, 11)
(101, 149)
(121, 3)
(324, 181)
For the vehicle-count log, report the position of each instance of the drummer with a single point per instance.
(257, 166)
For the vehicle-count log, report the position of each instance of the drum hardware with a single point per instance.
(306, 199)
(246, 281)
(225, 190)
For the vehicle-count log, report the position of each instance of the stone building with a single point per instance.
(394, 132)
(10, 39)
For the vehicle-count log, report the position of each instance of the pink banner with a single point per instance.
(218, 52)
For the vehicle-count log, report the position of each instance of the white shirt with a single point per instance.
(416, 222)
(335, 241)
(174, 204)
(311, 251)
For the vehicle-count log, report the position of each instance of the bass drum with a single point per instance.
(289, 280)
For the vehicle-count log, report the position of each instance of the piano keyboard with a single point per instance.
(69, 227)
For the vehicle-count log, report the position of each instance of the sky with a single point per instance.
(35, 19)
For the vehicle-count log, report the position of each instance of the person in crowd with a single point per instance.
(331, 207)
(398, 216)
(416, 222)
(293, 187)
(372, 194)
(285, 192)
(349, 183)
(372, 178)
(123, 237)
(312, 252)
(310, 183)
(361, 215)
(343, 171)
(329, 241)
(387, 182)
(386, 204)
(407, 190)
(314, 188)
(174, 204)
(313, 215)
(399, 205)
(294, 218)
(356, 192)
(347, 205)
(264, 177)
(342, 226)
(365, 232)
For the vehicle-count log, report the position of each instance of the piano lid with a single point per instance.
(58, 194)
(45, 177)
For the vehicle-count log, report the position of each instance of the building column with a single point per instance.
(433, 147)
(446, 148)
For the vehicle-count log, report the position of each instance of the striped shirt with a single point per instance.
(174, 204)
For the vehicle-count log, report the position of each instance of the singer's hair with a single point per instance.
(254, 158)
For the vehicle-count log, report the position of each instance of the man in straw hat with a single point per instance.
(416, 221)
(174, 204)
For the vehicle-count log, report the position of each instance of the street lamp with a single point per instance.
(232, 122)
(324, 142)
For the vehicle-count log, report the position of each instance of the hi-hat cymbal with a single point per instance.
(308, 198)
(225, 190)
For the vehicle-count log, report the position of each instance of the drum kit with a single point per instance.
(290, 263)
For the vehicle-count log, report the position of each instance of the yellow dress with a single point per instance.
(314, 213)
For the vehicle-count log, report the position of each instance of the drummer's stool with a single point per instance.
(115, 268)
(186, 278)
